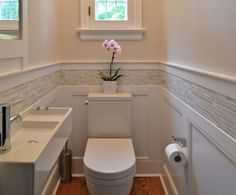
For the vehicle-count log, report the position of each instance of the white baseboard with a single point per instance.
(137, 175)
(170, 181)
(148, 175)
(164, 185)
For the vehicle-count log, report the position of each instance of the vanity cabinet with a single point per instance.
(36, 147)
(30, 178)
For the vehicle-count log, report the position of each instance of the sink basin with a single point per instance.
(38, 128)
(34, 131)
(39, 125)
(52, 115)
(36, 144)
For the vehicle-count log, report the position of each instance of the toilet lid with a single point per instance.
(109, 157)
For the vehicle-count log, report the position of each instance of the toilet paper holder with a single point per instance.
(179, 140)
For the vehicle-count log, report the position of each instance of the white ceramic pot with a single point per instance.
(109, 86)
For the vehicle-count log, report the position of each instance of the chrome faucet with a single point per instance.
(5, 120)
(15, 117)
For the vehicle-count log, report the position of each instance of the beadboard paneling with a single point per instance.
(210, 152)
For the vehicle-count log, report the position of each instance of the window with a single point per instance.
(111, 10)
(104, 19)
(9, 19)
(9, 10)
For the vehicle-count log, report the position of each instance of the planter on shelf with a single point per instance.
(109, 86)
(111, 76)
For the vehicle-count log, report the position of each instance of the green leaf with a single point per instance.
(103, 76)
(117, 77)
(115, 74)
(114, 77)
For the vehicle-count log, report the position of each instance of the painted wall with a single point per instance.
(200, 34)
(43, 32)
(73, 49)
(210, 168)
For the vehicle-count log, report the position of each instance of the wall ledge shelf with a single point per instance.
(118, 34)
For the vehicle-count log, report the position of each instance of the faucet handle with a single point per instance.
(15, 117)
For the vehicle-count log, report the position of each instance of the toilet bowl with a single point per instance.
(109, 166)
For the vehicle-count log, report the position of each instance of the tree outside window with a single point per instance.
(9, 10)
(111, 10)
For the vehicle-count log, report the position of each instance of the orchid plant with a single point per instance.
(115, 48)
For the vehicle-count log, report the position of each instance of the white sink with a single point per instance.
(37, 129)
(37, 125)
(34, 130)
(36, 144)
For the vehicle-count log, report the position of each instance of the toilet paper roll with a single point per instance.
(175, 155)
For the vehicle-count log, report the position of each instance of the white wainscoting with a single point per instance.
(12, 79)
(211, 167)
(146, 129)
(220, 83)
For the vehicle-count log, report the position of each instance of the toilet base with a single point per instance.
(109, 166)
(99, 189)
(118, 186)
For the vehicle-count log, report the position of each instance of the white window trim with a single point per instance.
(133, 32)
(11, 25)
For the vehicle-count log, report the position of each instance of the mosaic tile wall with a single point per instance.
(30, 92)
(130, 77)
(217, 108)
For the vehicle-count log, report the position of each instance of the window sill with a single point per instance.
(120, 34)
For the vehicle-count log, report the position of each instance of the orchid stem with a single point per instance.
(112, 59)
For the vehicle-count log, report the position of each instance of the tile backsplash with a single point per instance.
(130, 77)
(30, 92)
(217, 108)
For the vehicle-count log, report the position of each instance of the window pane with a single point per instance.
(111, 10)
(9, 10)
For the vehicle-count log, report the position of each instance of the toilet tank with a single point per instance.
(109, 115)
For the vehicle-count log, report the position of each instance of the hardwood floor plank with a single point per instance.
(147, 186)
(141, 186)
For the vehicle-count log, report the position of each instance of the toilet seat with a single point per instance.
(109, 158)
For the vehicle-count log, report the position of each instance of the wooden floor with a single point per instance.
(141, 186)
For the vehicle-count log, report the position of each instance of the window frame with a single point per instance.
(91, 30)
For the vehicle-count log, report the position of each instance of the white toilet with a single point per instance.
(109, 160)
